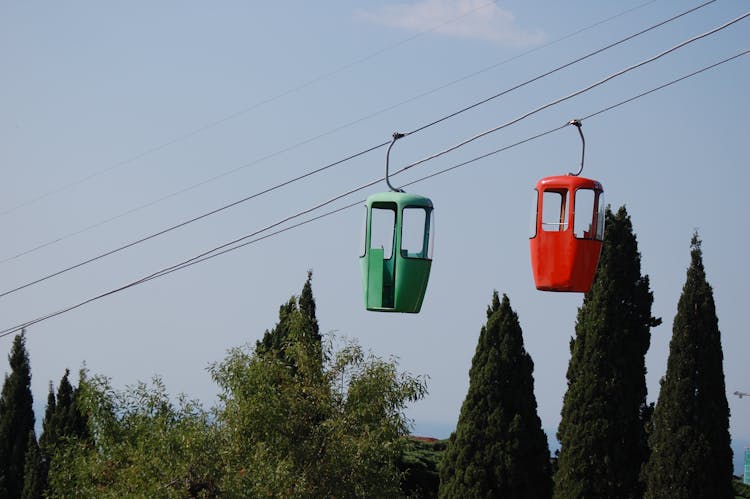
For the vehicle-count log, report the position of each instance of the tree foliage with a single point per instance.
(419, 464)
(141, 444)
(63, 418)
(499, 448)
(309, 432)
(691, 453)
(741, 489)
(297, 321)
(291, 422)
(16, 419)
(33, 483)
(335, 432)
(601, 432)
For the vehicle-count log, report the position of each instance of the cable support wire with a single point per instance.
(360, 153)
(381, 111)
(183, 224)
(245, 110)
(566, 65)
(579, 92)
(246, 240)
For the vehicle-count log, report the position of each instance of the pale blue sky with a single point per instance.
(150, 99)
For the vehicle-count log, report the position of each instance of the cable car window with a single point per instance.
(584, 218)
(382, 226)
(414, 227)
(532, 214)
(600, 217)
(431, 229)
(555, 210)
(363, 239)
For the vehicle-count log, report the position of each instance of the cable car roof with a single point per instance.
(400, 198)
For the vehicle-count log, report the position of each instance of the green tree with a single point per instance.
(262, 441)
(691, 453)
(312, 433)
(499, 448)
(297, 320)
(63, 418)
(33, 485)
(419, 465)
(602, 430)
(141, 444)
(300, 424)
(16, 419)
(307, 309)
(741, 489)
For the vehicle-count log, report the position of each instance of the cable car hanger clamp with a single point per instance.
(577, 124)
(396, 136)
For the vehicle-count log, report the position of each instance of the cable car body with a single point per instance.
(396, 256)
(567, 231)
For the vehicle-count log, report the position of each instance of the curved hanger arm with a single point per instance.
(577, 124)
(396, 136)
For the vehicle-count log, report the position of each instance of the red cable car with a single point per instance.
(567, 233)
(567, 230)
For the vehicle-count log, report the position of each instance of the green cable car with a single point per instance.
(397, 253)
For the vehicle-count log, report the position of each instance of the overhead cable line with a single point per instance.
(541, 47)
(374, 114)
(232, 245)
(377, 146)
(580, 91)
(566, 65)
(236, 114)
(184, 223)
(227, 248)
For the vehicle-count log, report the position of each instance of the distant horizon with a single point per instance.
(443, 430)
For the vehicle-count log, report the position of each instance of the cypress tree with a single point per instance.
(33, 484)
(16, 419)
(601, 432)
(691, 453)
(49, 428)
(78, 420)
(499, 448)
(62, 418)
(296, 318)
(307, 308)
